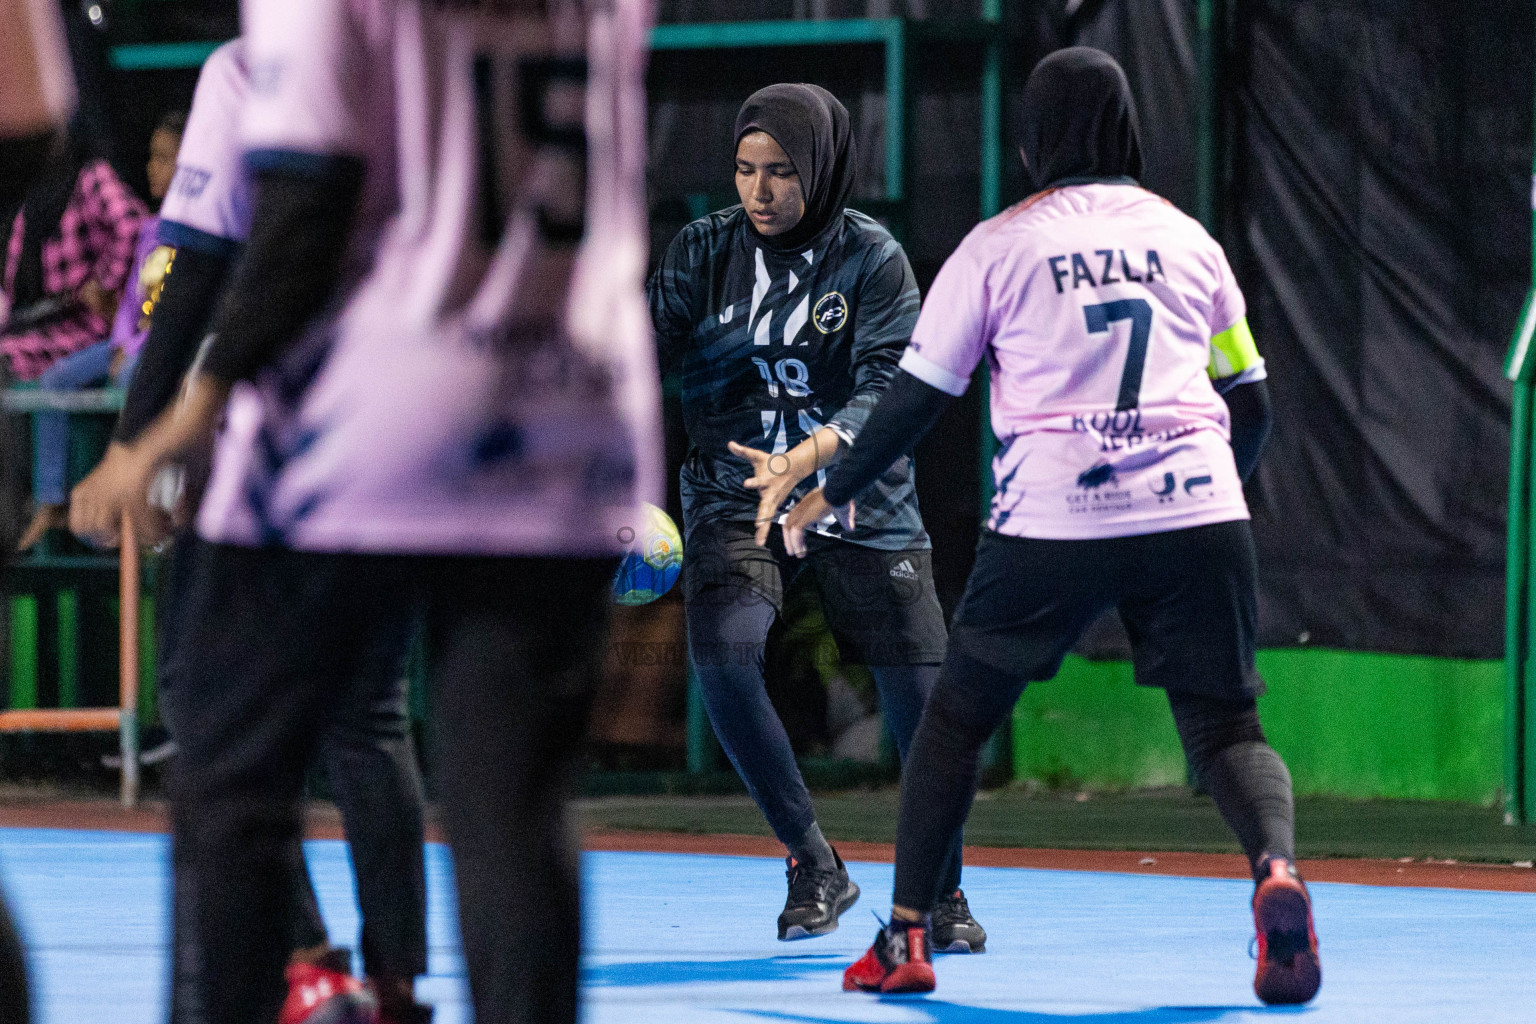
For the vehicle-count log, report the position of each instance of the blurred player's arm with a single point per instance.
(1238, 373)
(290, 267)
(176, 329)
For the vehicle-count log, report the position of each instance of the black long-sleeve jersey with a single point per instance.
(773, 346)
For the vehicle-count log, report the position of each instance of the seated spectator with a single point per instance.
(69, 253)
(112, 359)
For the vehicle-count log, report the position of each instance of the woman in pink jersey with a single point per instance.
(36, 96)
(1130, 403)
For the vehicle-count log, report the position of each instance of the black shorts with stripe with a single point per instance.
(880, 605)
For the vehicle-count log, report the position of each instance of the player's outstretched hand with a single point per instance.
(773, 477)
(809, 511)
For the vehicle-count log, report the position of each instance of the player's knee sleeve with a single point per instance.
(1208, 725)
(1249, 782)
(972, 698)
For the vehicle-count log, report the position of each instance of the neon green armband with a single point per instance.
(1233, 351)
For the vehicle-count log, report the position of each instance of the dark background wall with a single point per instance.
(1379, 221)
(1374, 195)
(1373, 192)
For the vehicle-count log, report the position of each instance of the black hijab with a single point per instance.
(1079, 119)
(42, 211)
(813, 128)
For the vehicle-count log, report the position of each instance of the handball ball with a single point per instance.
(652, 561)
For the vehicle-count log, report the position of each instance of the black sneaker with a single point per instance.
(954, 929)
(816, 899)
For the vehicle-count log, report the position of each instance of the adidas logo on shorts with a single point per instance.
(904, 570)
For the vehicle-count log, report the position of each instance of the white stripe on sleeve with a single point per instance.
(931, 373)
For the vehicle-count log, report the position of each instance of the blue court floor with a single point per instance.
(676, 938)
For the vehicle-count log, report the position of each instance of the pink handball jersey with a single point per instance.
(1104, 315)
(484, 381)
(209, 202)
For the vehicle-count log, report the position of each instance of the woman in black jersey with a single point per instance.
(786, 316)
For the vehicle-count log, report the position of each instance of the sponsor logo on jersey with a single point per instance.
(904, 570)
(831, 313)
(1195, 481)
(190, 181)
(1097, 475)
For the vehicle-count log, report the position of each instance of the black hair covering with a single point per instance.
(813, 128)
(173, 121)
(42, 211)
(1079, 119)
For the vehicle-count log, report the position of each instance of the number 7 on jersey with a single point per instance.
(1139, 313)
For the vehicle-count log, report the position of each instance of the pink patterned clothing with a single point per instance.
(95, 241)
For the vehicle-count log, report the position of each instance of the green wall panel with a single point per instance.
(1368, 725)
(1092, 726)
(1348, 724)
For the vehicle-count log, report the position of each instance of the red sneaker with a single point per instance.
(319, 993)
(901, 960)
(1289, 970)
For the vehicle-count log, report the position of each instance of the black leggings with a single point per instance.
(751, 733)
(1222, 738)
(273, 640)
(370, 763)
(13, 973)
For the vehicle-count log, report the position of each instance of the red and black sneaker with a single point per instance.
(901, 960)
(323, 991)
(1289, 970)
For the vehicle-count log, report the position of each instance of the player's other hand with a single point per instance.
(121, 484)
(809, 511)
(96, 503)
(773, 477)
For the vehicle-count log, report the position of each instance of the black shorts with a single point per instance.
(880, 605)
(1187, 598)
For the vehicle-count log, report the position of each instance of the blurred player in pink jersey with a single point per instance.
(440, 388)
(37, 95)
(1130, 403)
(367, 752)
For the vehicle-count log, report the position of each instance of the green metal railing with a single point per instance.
(1520, 572)
(1520, 578)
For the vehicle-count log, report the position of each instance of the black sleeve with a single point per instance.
(176, 329)
(906, 411)
(670, 296)
(888, 304)
(1252, 418)
(299, 230)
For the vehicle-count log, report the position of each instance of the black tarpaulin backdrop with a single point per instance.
(1380, 226)
(1375, 196)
